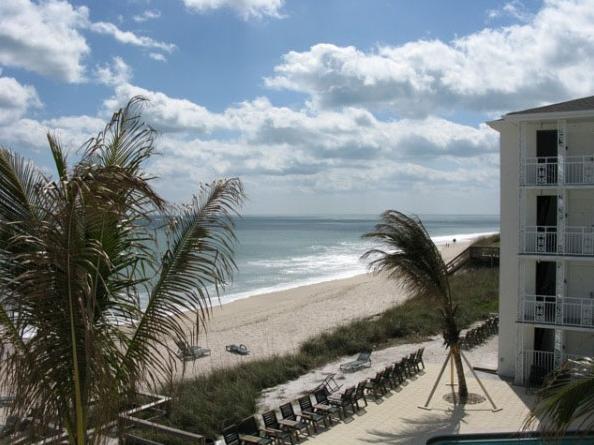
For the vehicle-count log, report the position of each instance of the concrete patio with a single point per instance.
(397, 419)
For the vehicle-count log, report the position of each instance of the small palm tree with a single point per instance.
(566, 399)
(411, 257)
(89, 305)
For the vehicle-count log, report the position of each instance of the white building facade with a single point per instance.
(547, 238)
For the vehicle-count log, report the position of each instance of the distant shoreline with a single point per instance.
(438, 240)
(278, 322)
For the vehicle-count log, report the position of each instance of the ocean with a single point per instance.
(277, 253)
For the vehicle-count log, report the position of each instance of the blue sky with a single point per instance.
(326, 106)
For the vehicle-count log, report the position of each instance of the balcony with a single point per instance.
(540, 363)
(554, 311)
(544, 240)
(544, 171)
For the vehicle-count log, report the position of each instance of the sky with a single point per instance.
(319, 106)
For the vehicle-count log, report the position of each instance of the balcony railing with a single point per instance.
(540, 363)
(541, 171)
(543, 240)
(544, 171)
(546, 309)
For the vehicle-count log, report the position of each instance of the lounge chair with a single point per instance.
(250, 433)
(274, 429)
(362, 361)
(360, 394)
(292, 420)
(376, 387)
(231, 435)
(186, 352)
(419, 357)
(323, 404)
(237, 349)
(345, 401)
(310, 414)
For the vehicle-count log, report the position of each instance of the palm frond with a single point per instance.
(408, 254)
(566, 400)
(199, 262)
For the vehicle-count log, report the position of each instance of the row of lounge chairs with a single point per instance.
(321, 409)
(190, 353)
(480, 334)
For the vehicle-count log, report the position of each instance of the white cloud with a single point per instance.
(310, 149)
(246, 9)
(44, 37)
(514, 9)
(149, 14)
(15, 99)
(158, 57)
(491, 70)
(115, 74)
(129, 38)
(30, 134)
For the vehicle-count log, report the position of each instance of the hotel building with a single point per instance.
(547, 237)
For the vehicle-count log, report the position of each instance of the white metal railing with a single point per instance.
(543, 171)
(543, 240)
(579, 170)
(540, 240)
(537, 364)
(579, 240)
(547, 309)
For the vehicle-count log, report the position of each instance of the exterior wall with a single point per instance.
(580, 208)
(509, 263)
(579, 343)
(580, 280)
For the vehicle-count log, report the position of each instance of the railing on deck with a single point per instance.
(543, 240)
(542, 363)
(546, 309)
(544, 171)
(541, 171)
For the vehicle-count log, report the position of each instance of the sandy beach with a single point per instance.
(278, 322)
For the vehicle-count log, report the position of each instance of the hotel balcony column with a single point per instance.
(561, 292)
(561, 150)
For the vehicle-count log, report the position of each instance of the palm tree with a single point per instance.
(566, 399)
(411, 257)
(89, 306)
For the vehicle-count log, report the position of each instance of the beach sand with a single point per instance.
(278, 322)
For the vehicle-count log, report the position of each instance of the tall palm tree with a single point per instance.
(89, 306)
(410, 256)
(566, 399)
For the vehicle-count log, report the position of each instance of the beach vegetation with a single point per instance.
(206, 404)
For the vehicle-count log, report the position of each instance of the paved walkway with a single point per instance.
(397, 419)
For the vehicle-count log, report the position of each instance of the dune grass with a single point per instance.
(206, 404)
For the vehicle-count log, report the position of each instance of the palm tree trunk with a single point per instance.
(462, 387)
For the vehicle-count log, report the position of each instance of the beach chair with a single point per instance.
(250, 432)
(292, 420)
(360, 394)
(274, 429)
(344, 401)
(419, 357)
(186, 352)
(376, 387)
(310, 414)
(231, 435)
(237, 349)
(362, 361)
(323, 404)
